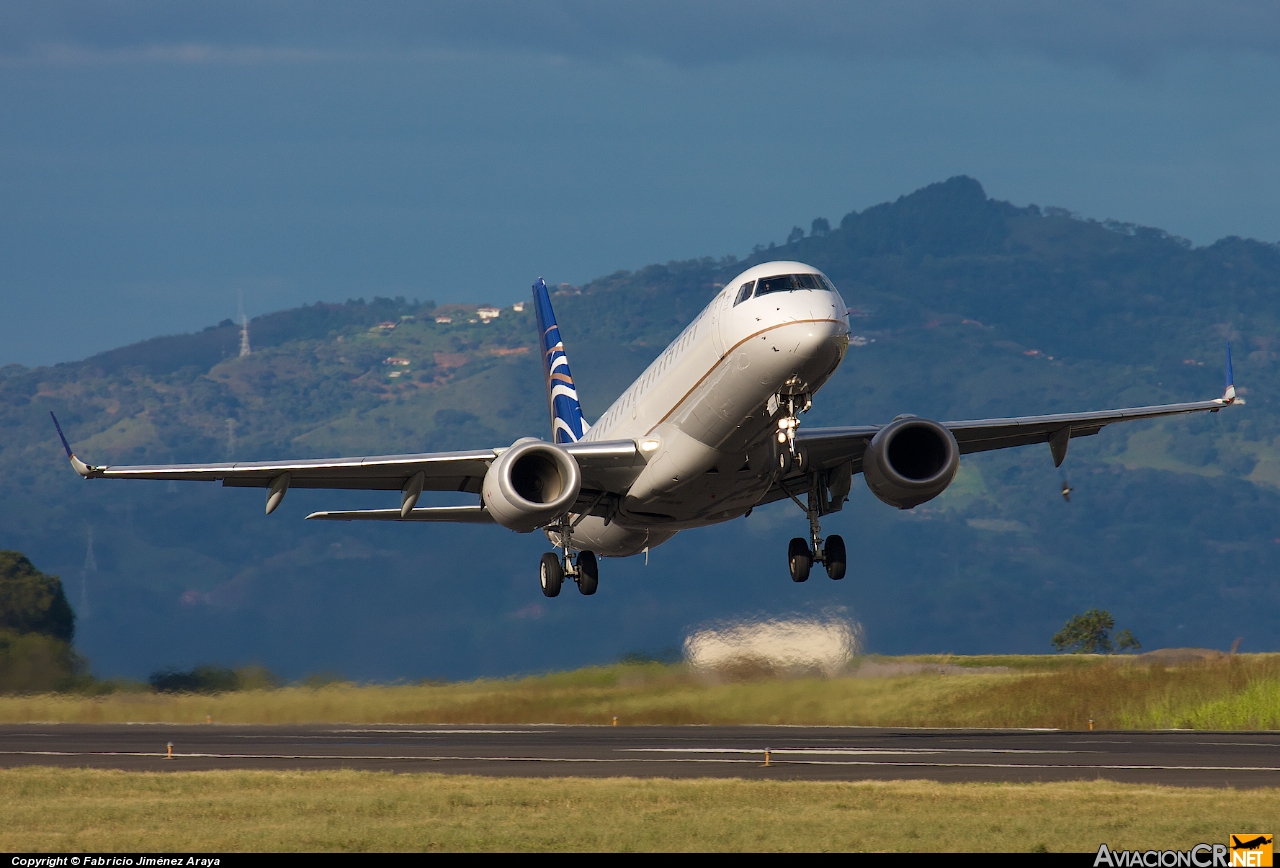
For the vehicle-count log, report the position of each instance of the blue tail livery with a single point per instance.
(567, 424)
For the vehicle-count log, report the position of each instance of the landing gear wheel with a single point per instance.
(588, 573)
(551, 573)
(800, 559)
(833, 557)
(784, 461)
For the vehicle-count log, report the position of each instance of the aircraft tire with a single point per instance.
(799, 559)
(783, 461)
(588, 573)
(833, 557)
(551, 574)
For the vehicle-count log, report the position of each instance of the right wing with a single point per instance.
(608, 468)
(457, 514)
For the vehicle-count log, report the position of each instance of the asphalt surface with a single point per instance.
(814, 753)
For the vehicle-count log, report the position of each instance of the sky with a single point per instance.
(159, 160)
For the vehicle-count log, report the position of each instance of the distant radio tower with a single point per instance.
(90, 566)
(244, 328)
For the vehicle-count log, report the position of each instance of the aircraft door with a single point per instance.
(719, 308)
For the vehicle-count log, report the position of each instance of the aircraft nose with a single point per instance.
(830, 329)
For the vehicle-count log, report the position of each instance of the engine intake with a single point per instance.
(530, 485)
(910, 461)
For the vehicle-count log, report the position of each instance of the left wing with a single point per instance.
(829, 447)
(825, 449)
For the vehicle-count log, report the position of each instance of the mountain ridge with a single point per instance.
(965, 307)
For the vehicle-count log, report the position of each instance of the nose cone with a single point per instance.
(812, 352)
(839, 310)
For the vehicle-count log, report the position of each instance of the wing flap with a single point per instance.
(459, 514)
(443, 471)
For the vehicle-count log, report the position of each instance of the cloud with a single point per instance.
(1124, 35)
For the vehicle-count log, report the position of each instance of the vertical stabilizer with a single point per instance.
(567, 424)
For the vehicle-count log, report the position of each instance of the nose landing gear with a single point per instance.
(793, 404)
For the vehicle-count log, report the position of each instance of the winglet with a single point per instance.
(79, 466)
(1229, 396)
(567, 424)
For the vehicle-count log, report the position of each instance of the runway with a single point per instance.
(811, 753)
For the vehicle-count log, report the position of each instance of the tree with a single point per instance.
(796, 234)
(32, 602)
(36, 627)
(1126, 642)
(1089, 633)
(819, 227)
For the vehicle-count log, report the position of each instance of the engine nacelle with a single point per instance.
(531, 484)
(909, 461)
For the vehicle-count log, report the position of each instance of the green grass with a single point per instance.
(1066, 692)
(72, 810)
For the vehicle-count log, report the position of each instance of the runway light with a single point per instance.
(766, 756)
(615, 720)
(1091, 724)
(169, 755)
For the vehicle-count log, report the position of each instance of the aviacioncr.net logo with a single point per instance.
(1242, 851)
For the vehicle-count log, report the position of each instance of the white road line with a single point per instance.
(836, 751)
(666, 760)
(439, 731)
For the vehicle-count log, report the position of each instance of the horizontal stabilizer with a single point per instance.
(463, 514)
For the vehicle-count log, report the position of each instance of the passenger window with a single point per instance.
(744, 293)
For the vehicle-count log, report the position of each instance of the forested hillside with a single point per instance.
(962, 307)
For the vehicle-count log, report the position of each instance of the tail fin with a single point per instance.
(567, 424)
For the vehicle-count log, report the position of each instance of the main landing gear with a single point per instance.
(800, 557)
(829, 552)
(583, 569)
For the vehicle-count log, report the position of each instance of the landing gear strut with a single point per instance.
(553, 568)
(830, 552)
(793, 404)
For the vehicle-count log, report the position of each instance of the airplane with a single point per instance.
(710, 431)
(1251, 844)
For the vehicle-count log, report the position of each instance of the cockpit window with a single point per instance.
(789, 283)
(766, 285)
(744, 293)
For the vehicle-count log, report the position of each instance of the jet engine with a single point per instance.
(909, 461)
(531, 484)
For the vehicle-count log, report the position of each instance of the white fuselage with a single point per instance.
(702, 411)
